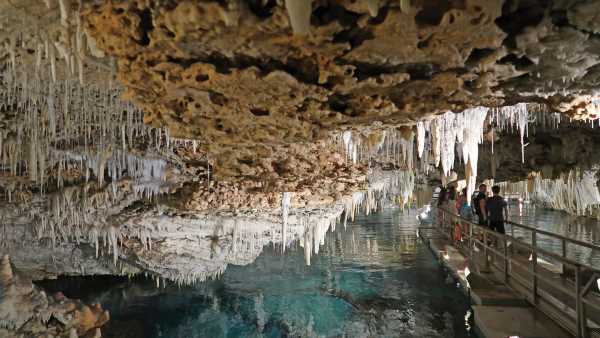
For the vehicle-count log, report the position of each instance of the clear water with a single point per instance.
(581, 228)
(374, 279)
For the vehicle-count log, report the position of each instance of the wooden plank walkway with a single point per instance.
(564, 293)
(496, 305)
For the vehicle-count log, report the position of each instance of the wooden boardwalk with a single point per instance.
(506, 272)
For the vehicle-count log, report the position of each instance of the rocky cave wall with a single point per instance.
(550, 151)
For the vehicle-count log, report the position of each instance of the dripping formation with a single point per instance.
(175, 138)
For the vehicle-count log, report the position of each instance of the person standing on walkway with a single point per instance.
(451, 201)
(450, 206)
(464, 210)
(462, 204)
(497, 210)
(441, 202)
(479, 204)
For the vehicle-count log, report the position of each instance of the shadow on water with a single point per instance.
(372, 279)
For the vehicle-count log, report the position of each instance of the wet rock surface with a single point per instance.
(26, 310)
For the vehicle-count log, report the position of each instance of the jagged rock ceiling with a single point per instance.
(245, 78)
(233, 74)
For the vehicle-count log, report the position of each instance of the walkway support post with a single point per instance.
(564, 248)
(578, 305)
(505, 260)
(485, 249)
(471, 243)
(534, 282)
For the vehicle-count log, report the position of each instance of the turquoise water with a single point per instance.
(373, 279)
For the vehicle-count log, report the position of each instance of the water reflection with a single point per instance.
(577, 227)
(373, 278)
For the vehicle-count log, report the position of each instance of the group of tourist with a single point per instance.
(491, 211)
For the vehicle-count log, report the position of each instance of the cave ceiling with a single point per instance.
(247, 79)
(239, 74)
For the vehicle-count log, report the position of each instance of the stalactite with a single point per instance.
(373, 6)
(66, 128)
(575, 192)
(299, 12)
(422, 129)
(472, 124)
(405, 6)
(285, 209)
(436, 141)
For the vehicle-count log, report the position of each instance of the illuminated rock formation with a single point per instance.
(166, 137)
(26, 311)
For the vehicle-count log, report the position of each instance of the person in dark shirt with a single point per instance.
(479, 204)
(497, 210)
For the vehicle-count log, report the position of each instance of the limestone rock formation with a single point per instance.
(160, 137)
(243, 74)
(552, 151)
(26, 311)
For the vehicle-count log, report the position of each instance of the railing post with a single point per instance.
(564, 248)
(485, 249)
(505, 260)
(578, 302)
(512, 230)
(471, 242)
(534, 284)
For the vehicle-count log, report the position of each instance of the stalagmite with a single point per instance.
(299, 12)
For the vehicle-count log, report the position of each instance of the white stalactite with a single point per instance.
(436, 141)
(405, 6)
(472, 124)
(285, 209)
(373, 6)
(299, 12)
(422, 129)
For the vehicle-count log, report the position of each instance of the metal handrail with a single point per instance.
(555, 235)
(578, 294)
(527, 245)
